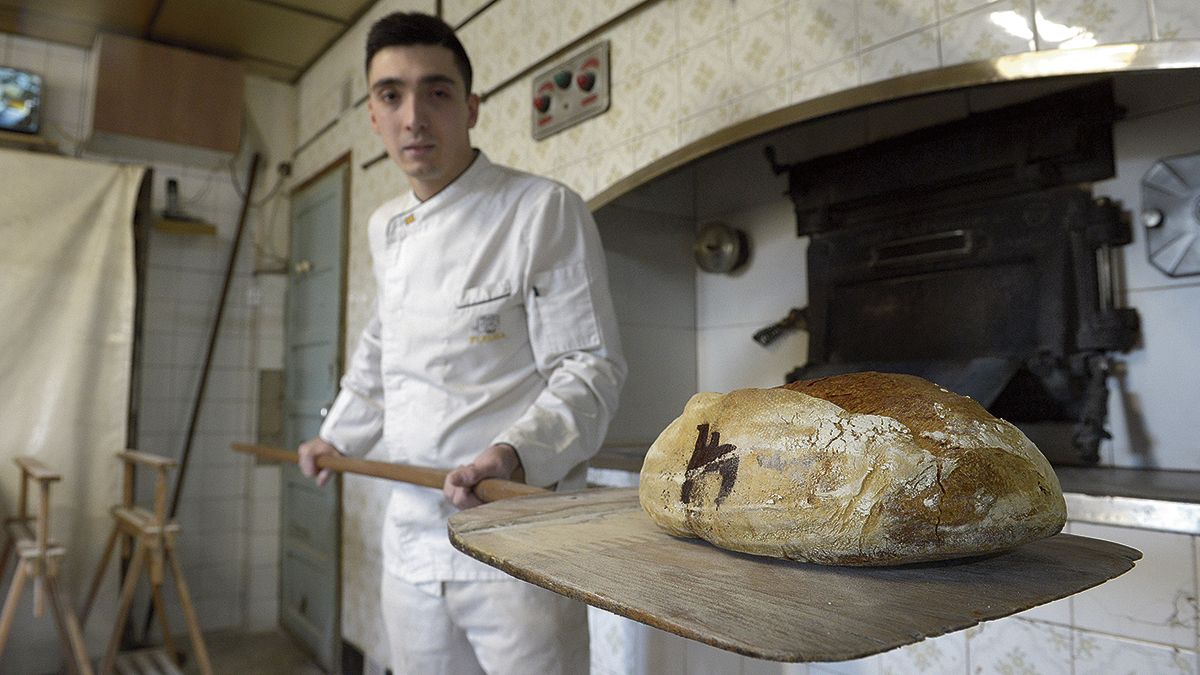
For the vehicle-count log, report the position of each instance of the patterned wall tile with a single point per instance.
(821, 31)
(745, 10)
(1014, 645)
(701, 20)
(580, 176)
(1176, 19)
(655, 144)
(652, 35)
(706, 77)
(612, 165)
(948, 8)
(455, 11)
(692, 129)
(1155, 601)
(882, 20)
(543, 29)
(1005, 27)
(656, 96)
(916, 52)
(1097, 654)
(942, 654)
(759, 52)
(1083, 23)
(868, 666)
(833, 77)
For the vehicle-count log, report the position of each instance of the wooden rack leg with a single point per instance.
(127, 590)
(10, 603)
(189, 614)
(161, 608)
(69, 630)
(9, 545)
(96, 580)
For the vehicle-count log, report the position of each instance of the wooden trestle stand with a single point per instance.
(39, 558)
(152, 537)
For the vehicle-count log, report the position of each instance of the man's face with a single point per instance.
(420, 108)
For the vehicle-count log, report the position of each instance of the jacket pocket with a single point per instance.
(562, 316)
(478, 295)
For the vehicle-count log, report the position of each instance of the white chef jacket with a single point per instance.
(493, 324)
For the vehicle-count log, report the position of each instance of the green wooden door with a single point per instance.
(310, 550)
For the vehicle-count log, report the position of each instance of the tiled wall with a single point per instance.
(229, 509)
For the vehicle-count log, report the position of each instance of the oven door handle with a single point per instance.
(948, 245)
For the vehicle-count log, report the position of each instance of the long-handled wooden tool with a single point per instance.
(489, 489)
(597, 546)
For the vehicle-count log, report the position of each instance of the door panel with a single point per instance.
(310, 533)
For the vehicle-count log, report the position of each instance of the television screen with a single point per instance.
(20, 100)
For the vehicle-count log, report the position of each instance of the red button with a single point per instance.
(542, 103)
(586, 80)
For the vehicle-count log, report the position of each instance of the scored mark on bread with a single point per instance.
(709, 456)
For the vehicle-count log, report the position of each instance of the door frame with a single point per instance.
(342, 161)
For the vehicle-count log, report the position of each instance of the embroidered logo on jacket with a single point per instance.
(486, 329)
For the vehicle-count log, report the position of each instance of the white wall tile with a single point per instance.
(729, 359)
(1140, 143)
(942, 654)
(824, 80)
(769, 285)
(821, 32)
(909, 54)
(881, 20)
(1155, 601)
(759, 53)
(1013, 645)
(1176, 20)
(700, 21)
(1097, 654)
(1084, 23)
(1152, 406)
(995, 30)
(871, 665)
(704, 660)
(706, 78)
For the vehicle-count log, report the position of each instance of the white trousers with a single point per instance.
(503, 627)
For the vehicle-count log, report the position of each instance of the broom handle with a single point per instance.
(488, 489)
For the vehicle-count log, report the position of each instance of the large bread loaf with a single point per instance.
(859, 469)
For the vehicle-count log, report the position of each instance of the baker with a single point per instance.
(493, 351)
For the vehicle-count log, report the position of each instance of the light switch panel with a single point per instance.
(571, 91)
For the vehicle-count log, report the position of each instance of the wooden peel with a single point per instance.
(598, 546)
(488, 489)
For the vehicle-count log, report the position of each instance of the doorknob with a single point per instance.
(304, 267)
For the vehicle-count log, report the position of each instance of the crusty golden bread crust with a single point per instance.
(858, 469)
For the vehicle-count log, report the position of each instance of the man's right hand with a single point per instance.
(309, 451)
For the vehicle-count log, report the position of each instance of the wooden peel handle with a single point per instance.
(488, 489)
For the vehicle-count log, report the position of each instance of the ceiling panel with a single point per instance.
(345, 11)
(231, 27)
(275, 38)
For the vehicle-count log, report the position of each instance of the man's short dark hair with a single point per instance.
(402, 29)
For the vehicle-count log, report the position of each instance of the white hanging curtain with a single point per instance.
(66, 336)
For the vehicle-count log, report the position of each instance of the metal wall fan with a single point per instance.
(1171, 214)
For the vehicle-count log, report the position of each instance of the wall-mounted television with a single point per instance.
(20, 100)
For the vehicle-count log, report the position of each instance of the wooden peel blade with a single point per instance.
(488, 489)
(597, 546)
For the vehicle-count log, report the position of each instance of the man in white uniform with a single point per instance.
(493, 352)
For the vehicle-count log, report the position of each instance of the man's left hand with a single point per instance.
(498, 461)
